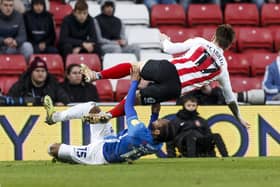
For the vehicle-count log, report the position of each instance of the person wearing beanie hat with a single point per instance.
(77, 34)
(40, 28)
(111, 31)
(36, 82)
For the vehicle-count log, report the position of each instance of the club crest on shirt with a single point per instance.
(134, 122)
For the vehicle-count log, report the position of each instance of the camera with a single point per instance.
(254, 97)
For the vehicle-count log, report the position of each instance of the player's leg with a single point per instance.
(75, 112)
(115, 72)
(91, 154)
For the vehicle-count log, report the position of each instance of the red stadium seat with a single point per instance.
(241, 84)
(105, 90)
(12, 64)
(238, 64)
(241, 14)
(276, 39)
(122, 89)
(167, 14)
(270, 14)
(179, 34)
(57, 35)
(59, 11)
(254, 38)
(91, 60)
(208, 33)
(54, 63)
(260, 61)
(204, 14)
(6, 82)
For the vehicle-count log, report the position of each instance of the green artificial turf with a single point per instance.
(204, 172)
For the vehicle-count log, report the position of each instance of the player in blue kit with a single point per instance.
(105, 147)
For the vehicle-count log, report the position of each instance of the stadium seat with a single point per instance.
(178, 33)
(204, 14)
(54, 63)
(241, 14)
(167, 14)
(155, 56)
(254, 38)
(57, 35)
(270, 14)
(276, 39)
(238, 64)
(91, 60)
(105, 91)
(260, 61)
(146, 38)
(59, 11)
(241, 84)
(112, 59)
(6, 82)
(208, 32)
(138, 14)
(122, 89)
(12, 64)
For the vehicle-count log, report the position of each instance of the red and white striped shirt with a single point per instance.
(203, 63)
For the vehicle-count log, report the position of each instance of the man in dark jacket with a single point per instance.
(40, 28)
(12, 31)
(111, 32)
(36, 82)
(193, 136)
(77, 34)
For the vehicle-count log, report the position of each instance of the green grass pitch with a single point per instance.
(203, 172)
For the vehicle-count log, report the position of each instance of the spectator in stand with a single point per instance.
(151, 3)
(111, 32)
(186, 3)
(193, 137)
(206, 96)
(40, 28)
(78, 34)
(78, 90)
(271, 82)
(36, 82)
(12, 31)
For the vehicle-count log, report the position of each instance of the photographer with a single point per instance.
(193, 136)
(34, 84)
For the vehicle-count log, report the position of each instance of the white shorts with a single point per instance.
(91, 154)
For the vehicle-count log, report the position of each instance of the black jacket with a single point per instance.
(40, 27)
(81, 93)
(74, 33)
(24, 88)
(186, 120)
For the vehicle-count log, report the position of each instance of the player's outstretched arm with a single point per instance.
(235, 111)
(130, 99)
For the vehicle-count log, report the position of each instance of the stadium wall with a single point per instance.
(25, 136)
